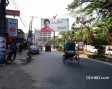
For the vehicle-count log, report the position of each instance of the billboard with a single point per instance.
(12, 27)
(50, 25)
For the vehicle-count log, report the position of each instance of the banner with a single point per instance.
(13, 12)
(50, 25)
(30, 40)
(12, 27)
(2, 48)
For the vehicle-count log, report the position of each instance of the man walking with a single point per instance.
(20, 48)
(13, 51)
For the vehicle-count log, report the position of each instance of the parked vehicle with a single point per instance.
(93, 50)
(108, 51)
(34, 49)
(29, 58)
(47, 47)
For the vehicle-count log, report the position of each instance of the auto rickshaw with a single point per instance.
(47, 48)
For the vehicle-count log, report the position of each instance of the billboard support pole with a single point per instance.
(3, 33)
(54, 40)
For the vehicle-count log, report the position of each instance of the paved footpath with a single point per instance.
(12, 77)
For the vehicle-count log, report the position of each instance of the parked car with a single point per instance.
(34, 49)
(108, 51)
(93, 49)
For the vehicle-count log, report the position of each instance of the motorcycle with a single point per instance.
(29, 58)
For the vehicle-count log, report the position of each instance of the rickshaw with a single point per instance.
(47, 48)
(70, 53)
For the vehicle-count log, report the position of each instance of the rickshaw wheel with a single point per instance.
(63, 58)
(77, 59)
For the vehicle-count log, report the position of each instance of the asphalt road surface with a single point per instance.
(47, 71)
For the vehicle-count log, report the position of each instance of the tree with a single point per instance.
(29, 36)
(100, 7)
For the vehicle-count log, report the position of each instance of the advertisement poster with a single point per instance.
(12, 26)
(30, 40)
(2, 47)
(58, 25)
(81, 44)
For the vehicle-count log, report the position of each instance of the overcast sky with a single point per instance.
(40, 9)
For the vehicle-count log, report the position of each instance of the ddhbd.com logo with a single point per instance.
(96, 77)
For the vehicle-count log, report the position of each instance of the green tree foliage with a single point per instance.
(102, 24)
(102, 7)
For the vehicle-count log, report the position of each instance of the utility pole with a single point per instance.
(30, 29)
(2, 17)
(54, 40)
(3, 31)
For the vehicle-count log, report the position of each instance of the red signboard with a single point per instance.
(13, 12)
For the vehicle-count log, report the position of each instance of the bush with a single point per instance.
(59, 48)
(101, 49)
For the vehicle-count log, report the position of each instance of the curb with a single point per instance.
(95, 59)
(100, 61)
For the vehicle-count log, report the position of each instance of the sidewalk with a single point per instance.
(12, 77)
(20, 58)
(23, 55)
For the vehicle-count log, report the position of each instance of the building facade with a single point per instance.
(41, 38)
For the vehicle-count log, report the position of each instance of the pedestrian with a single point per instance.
(8, 47)
(12, 52)
(41, 47)
(20, 48)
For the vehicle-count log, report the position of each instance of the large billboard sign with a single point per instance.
(12, 26)
(50, 25)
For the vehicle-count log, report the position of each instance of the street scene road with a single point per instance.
(47, 71)
(55, 44)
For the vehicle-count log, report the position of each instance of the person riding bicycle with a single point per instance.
(69, 48)
(70, 52)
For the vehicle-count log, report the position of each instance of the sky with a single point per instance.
(39, 9)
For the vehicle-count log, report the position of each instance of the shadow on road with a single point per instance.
(72, 64)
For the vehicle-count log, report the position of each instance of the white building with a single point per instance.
(41, 38)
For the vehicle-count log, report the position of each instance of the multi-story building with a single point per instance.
(42, 38)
